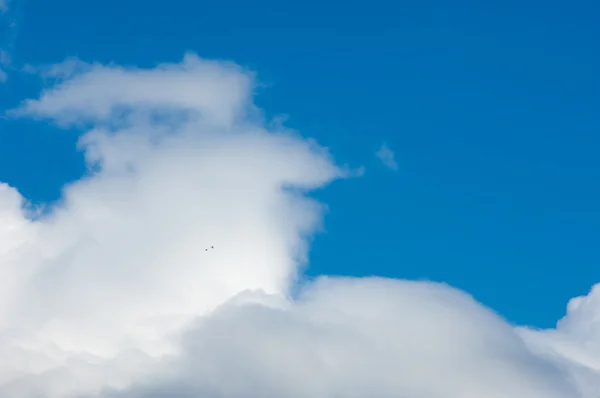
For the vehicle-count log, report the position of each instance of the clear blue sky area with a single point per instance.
(492, 109)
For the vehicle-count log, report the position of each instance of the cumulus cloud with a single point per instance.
(109, 292)
(386, 155)
(91, 92)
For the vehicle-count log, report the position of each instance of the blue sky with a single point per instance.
(491, 110)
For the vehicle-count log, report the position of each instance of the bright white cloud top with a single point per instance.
(111, 294)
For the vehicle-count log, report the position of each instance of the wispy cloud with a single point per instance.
(8, 20)
(387, 157)
(4, 64)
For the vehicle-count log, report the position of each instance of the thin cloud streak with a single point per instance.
(387, 157)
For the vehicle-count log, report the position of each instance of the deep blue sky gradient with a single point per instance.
(492, 109)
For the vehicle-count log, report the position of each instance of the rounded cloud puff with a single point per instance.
(111, 293)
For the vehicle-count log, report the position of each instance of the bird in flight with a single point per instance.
(212, 247)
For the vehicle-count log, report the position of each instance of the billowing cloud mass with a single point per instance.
(110, 293)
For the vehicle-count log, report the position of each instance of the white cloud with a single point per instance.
(111, 293)
(359, 338)
(386, 155)
(92, 92)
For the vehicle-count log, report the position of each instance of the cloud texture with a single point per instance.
(110, 293)
(8, 34)
(386, 155)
